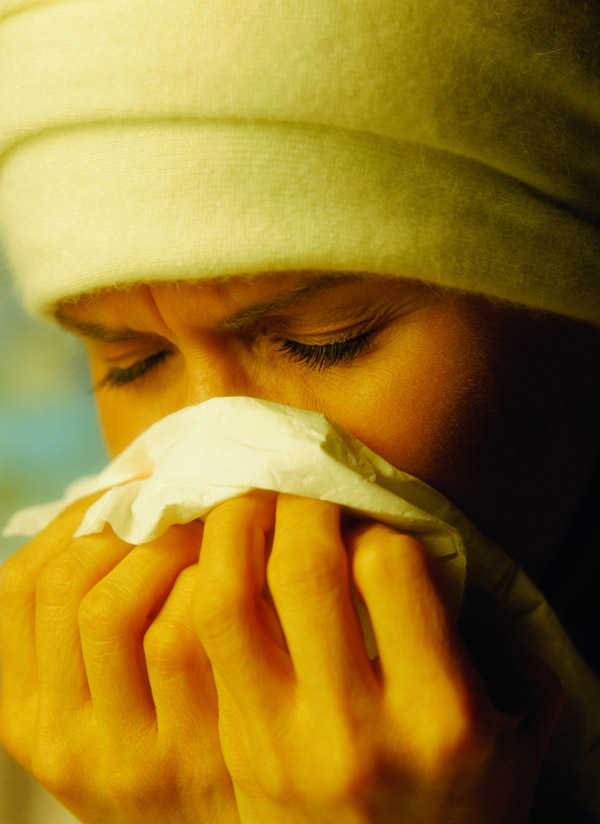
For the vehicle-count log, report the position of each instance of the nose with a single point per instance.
(218, 369)
(213, 371)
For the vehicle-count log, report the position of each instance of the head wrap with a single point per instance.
(454, 142)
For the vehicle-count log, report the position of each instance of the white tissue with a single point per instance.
(186, 464)
(194, 459)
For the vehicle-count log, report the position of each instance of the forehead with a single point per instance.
(232, 302)
(148, 308)
(118, 299)
(235, 286)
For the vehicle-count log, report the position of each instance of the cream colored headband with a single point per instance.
(456, 142)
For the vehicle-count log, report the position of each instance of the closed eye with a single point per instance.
(317, 357)
(119, 376)
(327, 355)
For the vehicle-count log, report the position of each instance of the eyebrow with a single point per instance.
(96, 331)
(242, 320)
(250, 315)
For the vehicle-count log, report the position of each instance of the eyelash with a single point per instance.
(118, 376)
(329, 354)
(319, 358)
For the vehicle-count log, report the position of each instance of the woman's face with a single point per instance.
(418, 374)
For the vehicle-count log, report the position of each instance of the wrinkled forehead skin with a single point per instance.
(454, 143)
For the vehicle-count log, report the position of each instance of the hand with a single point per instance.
(107, 696)
(311, 730)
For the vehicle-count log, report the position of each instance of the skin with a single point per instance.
(453, 390)
(108, 691)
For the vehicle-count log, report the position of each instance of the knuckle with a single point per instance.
(127, 788)
(274, 778)
(388, 554)
(331, 778)
(101, 609)
(347, 777)
(315, 568)
(219, 610)
(277, 785)
(14, 577)
(456, 740)
(168, 646)
(50, 766)
(56, 580)
(68, 571)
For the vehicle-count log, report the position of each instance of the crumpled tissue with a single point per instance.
(189, 462)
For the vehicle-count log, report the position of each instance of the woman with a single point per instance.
(384, 213)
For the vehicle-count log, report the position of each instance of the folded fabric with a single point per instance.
(192, 460)
(452, 142)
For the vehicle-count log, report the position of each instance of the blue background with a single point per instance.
(48, 427)
(48, 437)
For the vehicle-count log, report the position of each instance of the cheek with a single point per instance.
(121, 422)
(423, 408)
(125, 413)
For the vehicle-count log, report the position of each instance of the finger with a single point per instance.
(309, 580)
(18, 583)
(113, 617)
(61, 586)
(424, 664)
(179, 671)
(393, 575)
(227, 604)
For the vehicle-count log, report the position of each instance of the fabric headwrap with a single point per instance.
(453, 142)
